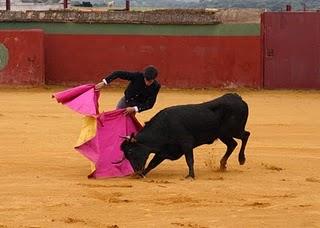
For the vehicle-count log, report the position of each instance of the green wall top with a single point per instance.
(139, 29)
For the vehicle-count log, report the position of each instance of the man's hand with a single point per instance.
(99, 85)
(129, 111)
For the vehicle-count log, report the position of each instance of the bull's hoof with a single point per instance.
(242, 161)
(91, 175)
(189, 177)
(223, 168)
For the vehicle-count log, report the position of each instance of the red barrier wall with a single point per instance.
(183, 61)
(291, 49)
(23, 50)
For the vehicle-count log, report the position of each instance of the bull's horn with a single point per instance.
(129, 138)
(125, 137)
(132, 138)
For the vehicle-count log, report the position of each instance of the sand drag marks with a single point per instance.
(191, 225)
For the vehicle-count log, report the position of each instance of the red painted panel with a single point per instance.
(25, 57)
(291, 49)
(183, 61)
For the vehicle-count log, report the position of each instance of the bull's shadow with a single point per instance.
(175, 131)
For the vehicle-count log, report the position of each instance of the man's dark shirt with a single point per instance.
(137, 92)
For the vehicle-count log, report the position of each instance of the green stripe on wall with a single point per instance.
(139, 29)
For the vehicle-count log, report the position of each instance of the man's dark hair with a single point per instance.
(150, 73)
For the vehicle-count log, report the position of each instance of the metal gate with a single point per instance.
(291, 50)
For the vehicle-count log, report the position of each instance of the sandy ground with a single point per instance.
(44, 181)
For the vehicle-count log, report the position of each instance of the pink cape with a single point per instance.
(82, 99)
(102, 144)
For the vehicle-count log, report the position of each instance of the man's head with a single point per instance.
(150, 74)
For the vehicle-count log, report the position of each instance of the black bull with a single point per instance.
(175, 131)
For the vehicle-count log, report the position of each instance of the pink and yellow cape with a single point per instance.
(100, 135)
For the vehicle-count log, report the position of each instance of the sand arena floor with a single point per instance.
(44, 181)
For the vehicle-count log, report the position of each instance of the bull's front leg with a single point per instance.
(190, 162)
(156, 160)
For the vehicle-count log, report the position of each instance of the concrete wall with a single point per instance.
(128, 17)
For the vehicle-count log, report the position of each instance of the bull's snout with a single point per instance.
(138, 174)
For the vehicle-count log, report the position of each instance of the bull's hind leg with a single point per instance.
(231, 145)
(244, 139)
